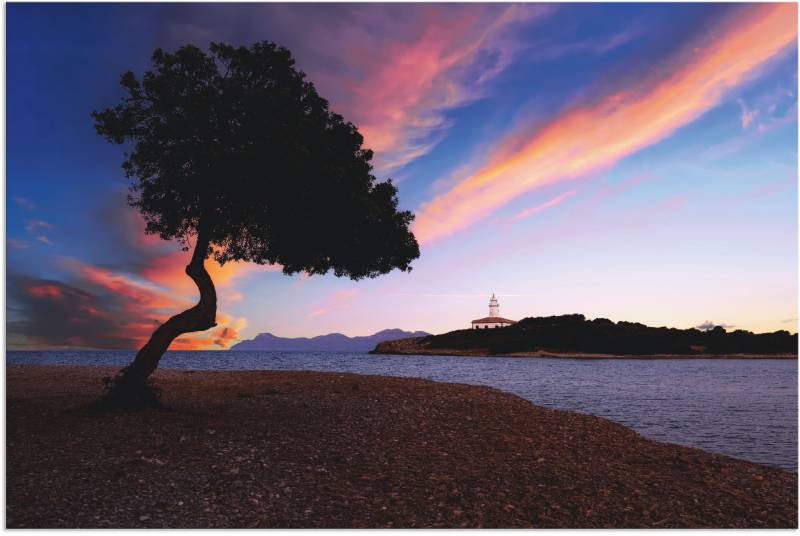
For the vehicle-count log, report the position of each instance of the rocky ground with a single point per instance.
(304, 449)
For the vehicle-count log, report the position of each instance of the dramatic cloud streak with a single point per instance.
(547, 204)
(393, 70)
(146, 295)
(434, 66)
(594, 136)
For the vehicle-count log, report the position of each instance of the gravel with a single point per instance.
(307, 449)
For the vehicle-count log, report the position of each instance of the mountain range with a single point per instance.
(333, 342)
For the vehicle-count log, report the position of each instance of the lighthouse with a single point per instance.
(494, 307)
(494, 320)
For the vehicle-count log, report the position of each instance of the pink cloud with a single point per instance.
(591, 137)
(231, 296)
(339, 300)
(547, 204)
(49, 291)
(301, 280)
(394, 70)
(397, 84)
(748, 114)
(768, 112)
(142, 294)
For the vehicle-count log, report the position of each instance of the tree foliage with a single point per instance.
(236, 144)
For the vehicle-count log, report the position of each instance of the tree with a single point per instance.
(235, 151)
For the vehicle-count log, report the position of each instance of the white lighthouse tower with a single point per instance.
(494, 307)
(494, 320)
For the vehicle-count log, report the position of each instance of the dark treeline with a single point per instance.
(573, 333)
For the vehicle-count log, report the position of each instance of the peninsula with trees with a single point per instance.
(575, 336)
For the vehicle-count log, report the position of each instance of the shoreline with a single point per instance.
(450, 352)
(313, 449)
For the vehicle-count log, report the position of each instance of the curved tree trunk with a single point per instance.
(130, 388)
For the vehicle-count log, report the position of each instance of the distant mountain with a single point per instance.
(334, 342)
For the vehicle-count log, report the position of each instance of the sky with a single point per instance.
(633, 162)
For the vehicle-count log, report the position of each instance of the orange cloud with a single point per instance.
(190, 342)
(143, 294)
(163, 291)
(595, 136)
(169, 270)
(106, 307)
(222, 337)
(165, 275)
(225, 336)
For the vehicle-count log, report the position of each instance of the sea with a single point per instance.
(738, 407)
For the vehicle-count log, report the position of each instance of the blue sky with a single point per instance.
(633, 162)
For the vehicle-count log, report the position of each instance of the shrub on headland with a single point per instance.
(574, 333)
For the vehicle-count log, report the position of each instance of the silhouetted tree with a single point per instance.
(235, 151)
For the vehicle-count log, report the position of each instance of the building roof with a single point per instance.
(493, 319)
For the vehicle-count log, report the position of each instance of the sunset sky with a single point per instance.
(634, 162)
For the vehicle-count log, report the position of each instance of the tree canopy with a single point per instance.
(236, 150)
(236, 145)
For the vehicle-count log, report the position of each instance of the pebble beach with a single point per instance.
(310, 449)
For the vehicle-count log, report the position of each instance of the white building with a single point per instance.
(494, 320)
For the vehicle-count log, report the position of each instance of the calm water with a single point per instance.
(742, 408)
